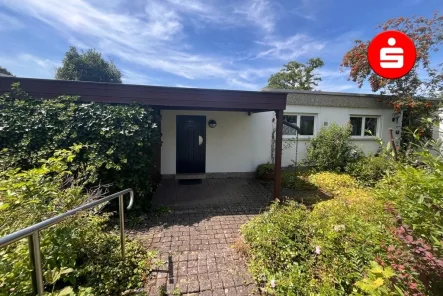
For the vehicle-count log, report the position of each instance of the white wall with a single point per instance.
(239, 143)
(340, 116)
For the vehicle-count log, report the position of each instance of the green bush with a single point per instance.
(333, 183)
(118, 139)
(278, 243)
(264, 169)
(294, 251)
(77, 253)
(332, 149)
(369, 170)
(294, 180)
(417, 195)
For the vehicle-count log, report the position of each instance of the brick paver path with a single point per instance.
(195, 238)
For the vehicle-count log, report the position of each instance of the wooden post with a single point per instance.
(278, 152)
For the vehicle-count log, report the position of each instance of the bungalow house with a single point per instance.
(210, 133)
(237, 142)
(312, 110)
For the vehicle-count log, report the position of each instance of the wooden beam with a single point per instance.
(169, 97)
(278, 153)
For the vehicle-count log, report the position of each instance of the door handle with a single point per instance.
(200, 140)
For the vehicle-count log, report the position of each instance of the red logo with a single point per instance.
(391, 54)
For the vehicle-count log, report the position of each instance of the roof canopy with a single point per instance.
(155, 96)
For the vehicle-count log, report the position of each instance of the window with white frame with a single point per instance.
(363, 126)
(305, 122)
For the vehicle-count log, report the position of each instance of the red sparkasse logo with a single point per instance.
(391, 54)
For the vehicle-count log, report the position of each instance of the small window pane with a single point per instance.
(289, 130)
(307, 125)
(356, 123)
(370, 126)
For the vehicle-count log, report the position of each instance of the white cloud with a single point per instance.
(27, 65)
(133, 77)
(8, 22)
(243, 84)
(155, 37)
(184, 85)
(163, 23)
(290, 48)
(43, 63)
(307, 9)
(260, 13)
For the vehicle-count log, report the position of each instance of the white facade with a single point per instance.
(339, 115)
(240, 142)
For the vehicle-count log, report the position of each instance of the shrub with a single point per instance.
(118, 139)
(369, 170)
(265, 169)
(332, 149)
(278, 244)
(333, 183)
(417, 195)
(77, 253)
(294, 180)
(294, 251)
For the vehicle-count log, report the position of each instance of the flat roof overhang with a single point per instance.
(154, 96)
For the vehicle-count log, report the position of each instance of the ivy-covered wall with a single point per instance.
(119, 140)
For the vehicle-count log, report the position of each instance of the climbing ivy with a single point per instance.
(118, 140)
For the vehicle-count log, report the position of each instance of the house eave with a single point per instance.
(154, 96)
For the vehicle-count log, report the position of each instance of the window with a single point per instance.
(289, 130)
(305, 122)
(364, 125)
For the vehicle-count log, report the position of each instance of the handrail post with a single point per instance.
(121, 211)
(36, 263)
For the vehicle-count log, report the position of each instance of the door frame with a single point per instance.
(203, 119)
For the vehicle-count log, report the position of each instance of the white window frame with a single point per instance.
(362, 132)
(298, 124)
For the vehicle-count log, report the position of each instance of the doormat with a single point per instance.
(190, 182)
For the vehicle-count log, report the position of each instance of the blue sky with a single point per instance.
(195, 43)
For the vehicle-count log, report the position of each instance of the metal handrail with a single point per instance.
(33, 234)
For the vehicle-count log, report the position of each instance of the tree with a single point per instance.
(296, 75)
(87, 66)
(412, 92)
(5, 71)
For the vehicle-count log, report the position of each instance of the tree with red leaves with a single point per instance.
(412, 92)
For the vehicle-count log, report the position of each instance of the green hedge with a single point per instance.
(118, 139)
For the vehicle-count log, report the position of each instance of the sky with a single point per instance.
(224, 44)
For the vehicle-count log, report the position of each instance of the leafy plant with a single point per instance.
(5, 71)
(333, 183)
(87, 66)
(264, 169)
(332, 149)
(79, 255)
(294, 180)
(296, 75)
(416, 193)
(369, 170)
(118, 139)
(295, 251)
(377, 281)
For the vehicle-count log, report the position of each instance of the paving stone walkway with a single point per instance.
(195, 237)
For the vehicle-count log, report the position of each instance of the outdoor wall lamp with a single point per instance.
(212, 123)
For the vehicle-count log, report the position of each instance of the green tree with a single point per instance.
(296, 75)
(425, 80)
(5, 71)
(87, 66)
